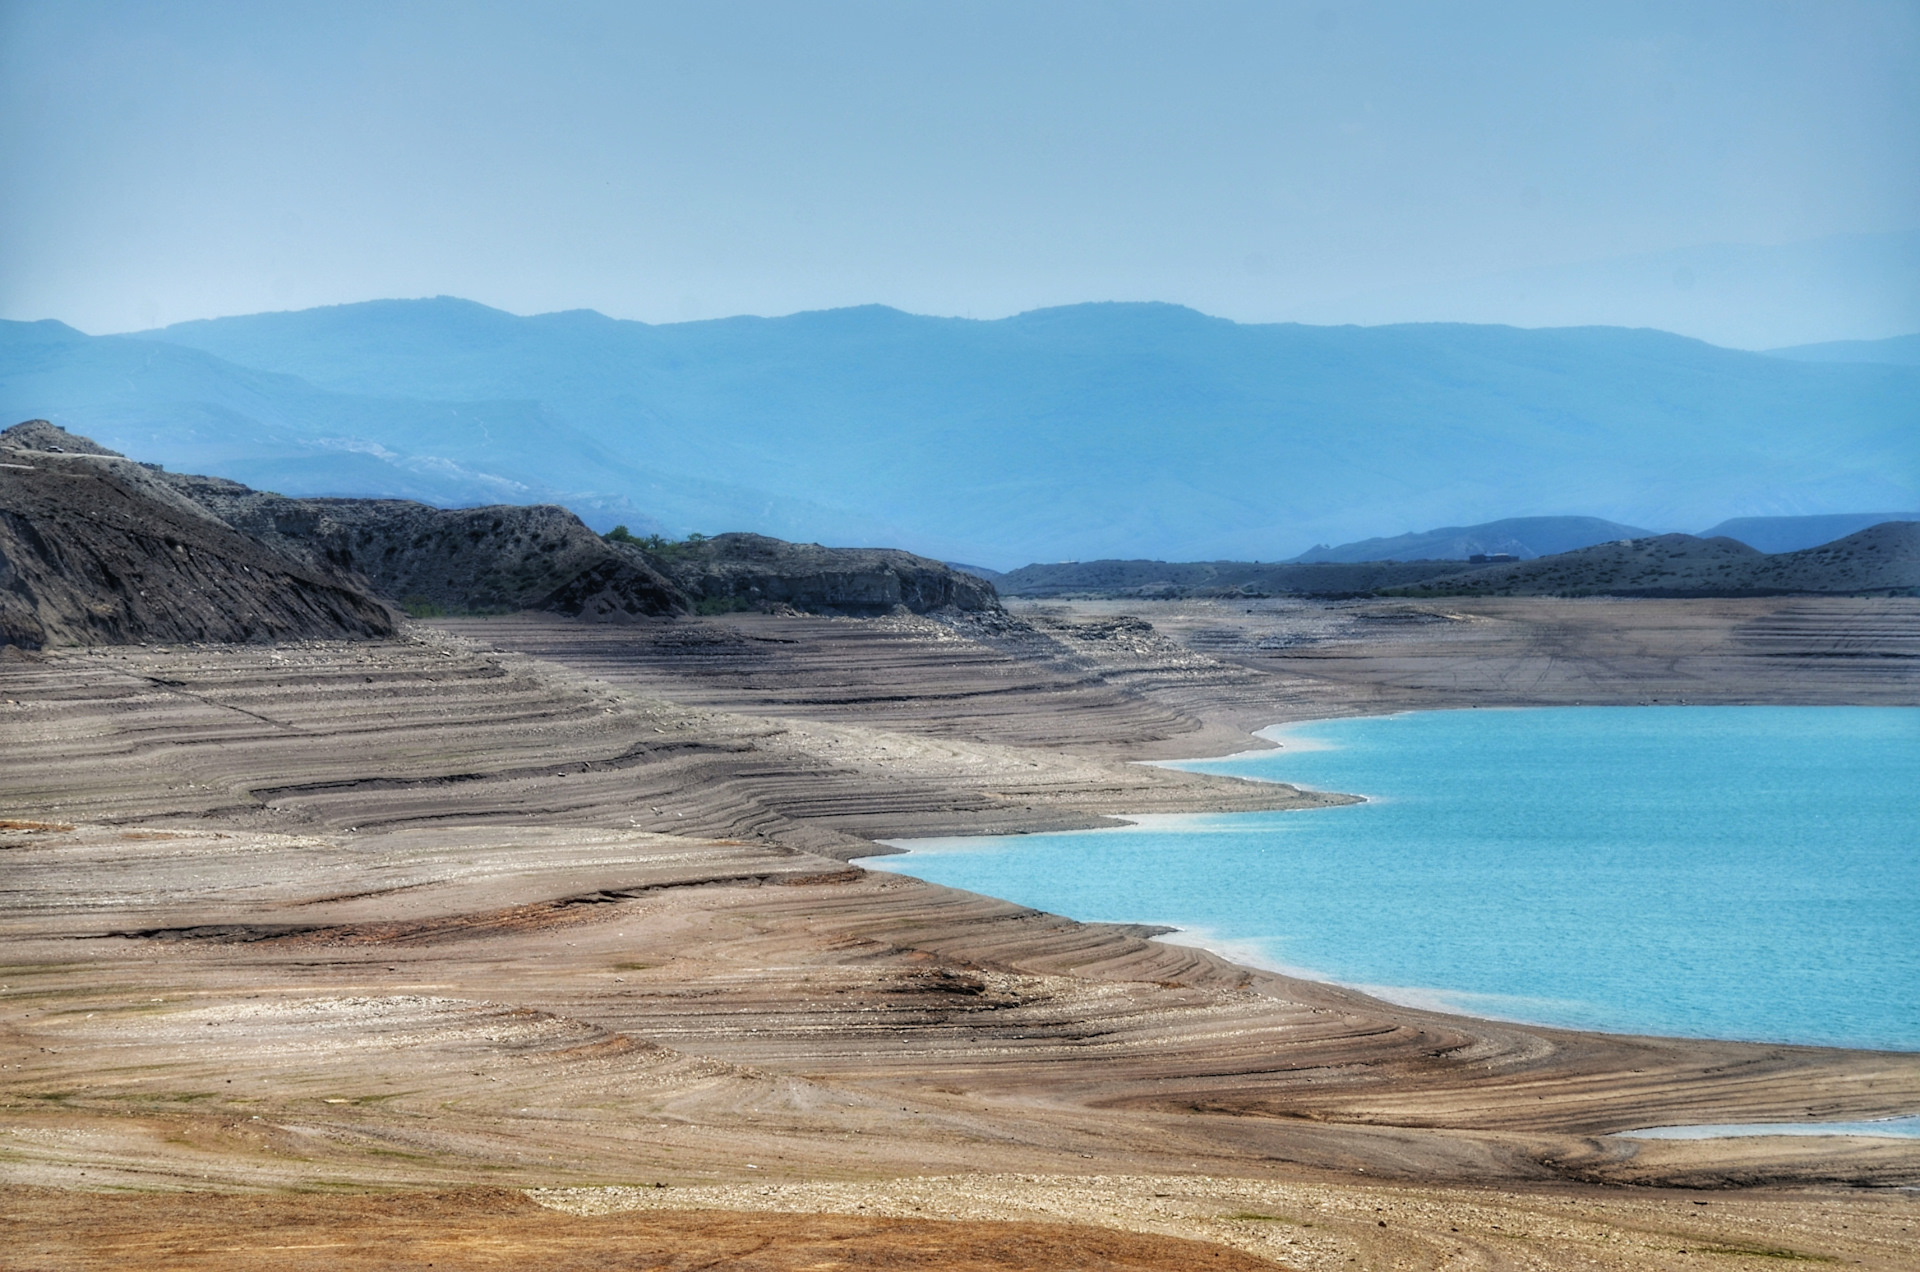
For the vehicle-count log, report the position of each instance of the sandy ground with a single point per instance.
(523, 903)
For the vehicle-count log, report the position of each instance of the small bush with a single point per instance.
(655, 545)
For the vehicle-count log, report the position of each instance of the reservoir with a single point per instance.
(1726, 872)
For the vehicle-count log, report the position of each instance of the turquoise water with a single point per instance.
(1727, 872)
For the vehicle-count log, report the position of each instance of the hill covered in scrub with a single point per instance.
(98, 549)
(1883, 559)
(1090, 431)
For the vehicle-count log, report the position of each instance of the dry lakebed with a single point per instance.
(530, 942)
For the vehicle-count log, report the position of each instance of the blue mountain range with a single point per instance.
(1087, 431)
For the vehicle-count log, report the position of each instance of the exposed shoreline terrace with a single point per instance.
(528, 903)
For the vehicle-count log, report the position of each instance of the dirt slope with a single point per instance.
(95, 549)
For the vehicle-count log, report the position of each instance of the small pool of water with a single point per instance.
(1731, 872)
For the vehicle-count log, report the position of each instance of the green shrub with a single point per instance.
(654, 544)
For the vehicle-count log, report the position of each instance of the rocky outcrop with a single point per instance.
(751, 571)
(453, 560)
(50, 439)
(96, 549)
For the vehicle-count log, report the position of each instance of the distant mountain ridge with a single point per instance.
(1529, 537)
(1524, 537)
(1901, 351)
(1883, 559)
(1791, 534)
(1083, 432)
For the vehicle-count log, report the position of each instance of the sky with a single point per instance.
(1746, 171)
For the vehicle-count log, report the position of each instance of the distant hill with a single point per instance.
(1883, 559)
(1790, 534)
(1524, 537)
(1075, 433)
(751, 571)
(492, 559)
(1157, 579)
(98, 549)
(1901, 351)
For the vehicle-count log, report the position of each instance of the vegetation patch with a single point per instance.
(422, 607)
(1766, 1252)
(656, 545)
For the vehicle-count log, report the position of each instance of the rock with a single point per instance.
(94, 549)
(752, 571)
(39, 435)
(454, 560)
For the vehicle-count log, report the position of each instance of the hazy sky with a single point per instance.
(1260, 161)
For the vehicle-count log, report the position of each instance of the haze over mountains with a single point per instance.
(1744, 295)
(1081, 432)
(1522, 537)
(1897, 350)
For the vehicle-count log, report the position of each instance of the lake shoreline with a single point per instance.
(553, 905)
(1493, 992)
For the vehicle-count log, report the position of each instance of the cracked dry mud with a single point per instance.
(526, 904)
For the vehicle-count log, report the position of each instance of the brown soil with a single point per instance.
(496, 1228)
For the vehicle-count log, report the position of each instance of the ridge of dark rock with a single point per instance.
(752, 571)
(50, 438)
(493, 559)
(98, 549)
(95, 550)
